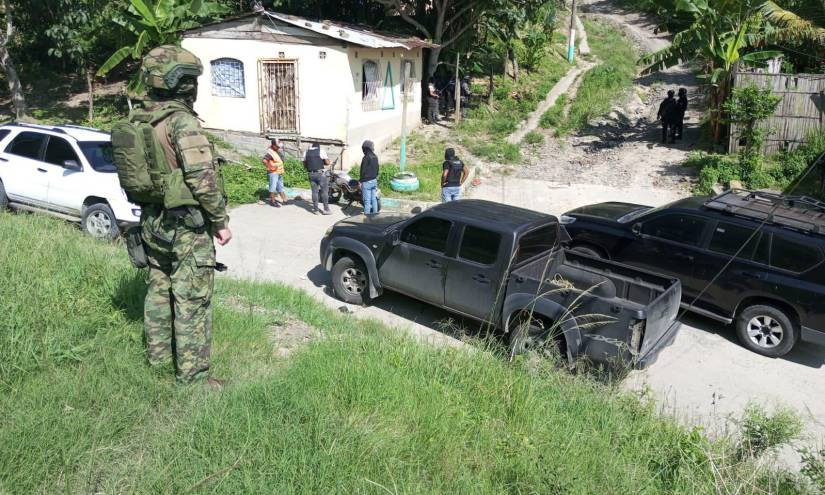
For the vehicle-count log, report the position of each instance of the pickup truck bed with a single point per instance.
(621, 312)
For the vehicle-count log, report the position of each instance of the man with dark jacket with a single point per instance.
(681, 108)
(453, 175)
(369, 178)
(315, 159)
(432, 102)
(667, 114)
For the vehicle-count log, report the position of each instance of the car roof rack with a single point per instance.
(40, 126)
(801, 213)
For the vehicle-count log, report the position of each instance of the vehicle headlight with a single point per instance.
(566, 219)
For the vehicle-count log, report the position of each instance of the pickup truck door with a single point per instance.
(417, 266)
(669, 244)
(67, 186)
(475, 279)
(24, 176)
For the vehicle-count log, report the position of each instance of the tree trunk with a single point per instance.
(90, 83)
(18, 100)
(490, 86)
(432, 62)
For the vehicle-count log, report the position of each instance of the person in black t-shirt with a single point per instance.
(369, 178)
(453, 176)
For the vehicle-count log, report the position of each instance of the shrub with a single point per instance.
(555, 114)
(533, 137)
(762, 431)
(813, 468)
(246, 183)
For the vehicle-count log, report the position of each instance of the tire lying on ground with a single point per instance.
(766, 330)
(98, 220)
(350, 280)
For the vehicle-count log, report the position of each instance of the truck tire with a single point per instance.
(766, 330)
(98, 220)
(589, 251)
(525, 338)
(350, 280)
(4, 200)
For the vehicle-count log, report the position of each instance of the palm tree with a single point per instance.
(796, 22)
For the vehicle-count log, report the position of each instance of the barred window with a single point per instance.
(370, 86)
(227, 78)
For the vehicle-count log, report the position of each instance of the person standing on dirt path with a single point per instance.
(453, 175)
(681, 108)
(667, 114)
(368, 178)
(178, 240)
(274, 163)
(315, 159)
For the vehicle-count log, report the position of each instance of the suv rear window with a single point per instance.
(479, 245)
(27, 145)
(536, 242)
(793, 256)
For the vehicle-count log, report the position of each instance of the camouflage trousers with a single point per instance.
(177, 310)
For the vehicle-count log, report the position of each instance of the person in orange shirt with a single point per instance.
(275, 171)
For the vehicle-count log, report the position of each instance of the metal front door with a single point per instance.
(279, 96)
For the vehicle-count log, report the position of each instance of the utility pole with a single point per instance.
(407, 89)
(571, 40)
(457, 92)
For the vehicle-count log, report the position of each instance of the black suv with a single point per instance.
(771, 248)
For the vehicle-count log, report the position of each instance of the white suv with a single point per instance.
(66, 171)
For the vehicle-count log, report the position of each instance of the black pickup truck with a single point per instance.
(504, 266)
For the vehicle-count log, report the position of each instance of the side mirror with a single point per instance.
(637, 228)
(71, 165)
(395, 237)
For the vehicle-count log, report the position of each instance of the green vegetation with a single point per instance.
(602, 85)
(555, 114)
(359, 409)
(533, 138)
(246, 182)
(778, 171)
(484, 132)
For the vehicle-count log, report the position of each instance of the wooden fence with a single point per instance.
(801, 111)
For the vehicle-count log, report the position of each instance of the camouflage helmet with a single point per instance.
(164, 66)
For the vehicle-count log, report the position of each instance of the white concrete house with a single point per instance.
(268, 74)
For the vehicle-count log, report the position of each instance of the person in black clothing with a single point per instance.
(432, 102)
(681, 108)
(667, 114)
(315, 159)
(465, 95)
(453, 176)
(369, 178)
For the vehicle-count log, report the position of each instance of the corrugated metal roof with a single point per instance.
(358, 35)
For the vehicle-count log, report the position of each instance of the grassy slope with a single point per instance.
(361, 410)
(602, 85)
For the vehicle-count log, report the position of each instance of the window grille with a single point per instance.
(370, 86)
(227, 78)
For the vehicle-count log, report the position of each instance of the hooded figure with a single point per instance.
(369, 178)
(681, 108)
(452, 177)
(667, 114)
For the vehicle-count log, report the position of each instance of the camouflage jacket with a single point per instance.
(186, 146)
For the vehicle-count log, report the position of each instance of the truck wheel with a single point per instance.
(99, 221)
(533, 336)
(350, 280)
(766, 330)
(589, 251)
(4, 200)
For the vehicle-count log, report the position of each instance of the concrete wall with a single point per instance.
(329, 92)
(382, 126)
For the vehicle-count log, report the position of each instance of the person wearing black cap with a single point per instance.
(369, 178)
(315, 159)
(453, 176)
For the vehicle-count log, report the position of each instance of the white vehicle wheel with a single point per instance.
(99, 222)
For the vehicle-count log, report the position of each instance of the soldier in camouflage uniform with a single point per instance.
(178, 241)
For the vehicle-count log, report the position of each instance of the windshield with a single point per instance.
(99, 155)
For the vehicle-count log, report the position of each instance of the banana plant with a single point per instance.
(158, 22)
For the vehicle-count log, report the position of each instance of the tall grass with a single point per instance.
(604, 85)
(361, 409)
